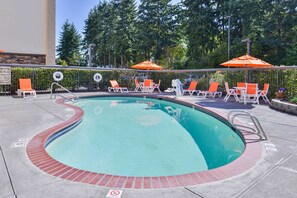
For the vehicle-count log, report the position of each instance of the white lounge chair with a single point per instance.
(212, 91)
(192, 88)
(116, 87)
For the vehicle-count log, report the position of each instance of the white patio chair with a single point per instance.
(250, 94)
(263, 93)
(230, 92)
(157, 86)
(138, 86)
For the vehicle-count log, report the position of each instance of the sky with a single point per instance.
(76, 11)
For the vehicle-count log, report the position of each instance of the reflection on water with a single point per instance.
(218, 146)
(175, 112)
(148, 120)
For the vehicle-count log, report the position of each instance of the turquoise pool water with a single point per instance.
(145, 137)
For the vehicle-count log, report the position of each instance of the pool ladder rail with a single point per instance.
(257, 129)
(72, 98)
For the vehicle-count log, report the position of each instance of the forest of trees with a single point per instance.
(190, 35)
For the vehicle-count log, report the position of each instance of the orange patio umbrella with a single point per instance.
(147, 65)
(246, 61)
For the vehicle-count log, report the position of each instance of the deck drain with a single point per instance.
(114, 194)
(22, 142)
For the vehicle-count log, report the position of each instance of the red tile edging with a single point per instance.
(40, 158)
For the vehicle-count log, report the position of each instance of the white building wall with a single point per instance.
(51, 32)
(24, 27)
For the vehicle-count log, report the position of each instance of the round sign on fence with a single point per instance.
(58, 76)
(97, 77)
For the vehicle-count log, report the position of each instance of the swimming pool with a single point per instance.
(143, 137)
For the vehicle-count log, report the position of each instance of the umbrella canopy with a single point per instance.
(147, 65)
(246, 61)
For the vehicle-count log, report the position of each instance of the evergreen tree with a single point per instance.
(291, 51)
(69, 44)
(107, 17)
(157, 24)
(98, 30)
(201, 30)
(277, 29)
(91, 28)
(157, 33)
(125, 30)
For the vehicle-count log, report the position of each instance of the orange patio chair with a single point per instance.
(212, 91)
(230, 92)
(250, 94)
(263, 93)
(26, 87)
(240, 84)
(116, 87)
(192, 88)
(148, 86)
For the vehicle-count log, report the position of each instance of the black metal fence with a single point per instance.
(81, 78)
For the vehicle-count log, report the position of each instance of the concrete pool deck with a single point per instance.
(275, 175)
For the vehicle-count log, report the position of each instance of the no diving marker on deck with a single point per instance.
(270, 147)
(22, 142)
(114, 194)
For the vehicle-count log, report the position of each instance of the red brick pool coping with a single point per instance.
(40, 158)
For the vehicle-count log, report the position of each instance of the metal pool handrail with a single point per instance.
(258, 128)
(75, 98)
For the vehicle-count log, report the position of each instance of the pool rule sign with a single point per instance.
(114, 194)
(5, 75)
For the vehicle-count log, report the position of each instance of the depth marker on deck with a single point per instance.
(114, 194)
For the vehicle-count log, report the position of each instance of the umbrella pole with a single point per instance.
(247, 78)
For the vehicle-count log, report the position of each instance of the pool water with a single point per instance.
(145, 137)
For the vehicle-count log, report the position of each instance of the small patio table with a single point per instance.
(242, 92)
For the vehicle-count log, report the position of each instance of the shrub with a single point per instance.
(42, 78)
(294, 100)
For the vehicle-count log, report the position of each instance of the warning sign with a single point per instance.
(5, 75)
(114, 194)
